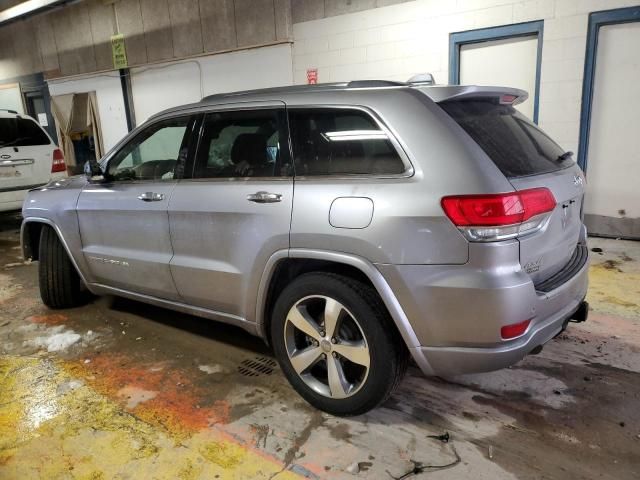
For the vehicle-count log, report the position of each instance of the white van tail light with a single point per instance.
(58, 164)
(492, 217)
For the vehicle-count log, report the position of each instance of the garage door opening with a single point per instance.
(79, 129)
(610, 124)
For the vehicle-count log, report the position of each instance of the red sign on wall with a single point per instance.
(312, 76)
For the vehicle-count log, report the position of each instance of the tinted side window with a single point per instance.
(240, 144)
(341, 142)
(156, 153)
(21, 132)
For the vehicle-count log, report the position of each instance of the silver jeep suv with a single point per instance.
(352, 226)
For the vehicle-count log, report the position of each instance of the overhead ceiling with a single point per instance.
(4, 4)
(13, 9)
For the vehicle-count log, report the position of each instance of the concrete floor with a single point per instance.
(118, 389)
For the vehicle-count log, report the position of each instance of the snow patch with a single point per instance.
(68, 386)
(565, 437)
(136, 395)
(54, 338)
(209, 369)
(58, 342)
(57, 339)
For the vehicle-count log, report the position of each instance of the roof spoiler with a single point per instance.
(511, 96)
(422, 79)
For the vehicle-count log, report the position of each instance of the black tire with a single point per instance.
(60, 284)
(387, 352)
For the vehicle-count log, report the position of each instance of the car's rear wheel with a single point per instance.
(336, 343)
(60, 284)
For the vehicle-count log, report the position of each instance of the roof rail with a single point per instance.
(283, 89)
(374, 83)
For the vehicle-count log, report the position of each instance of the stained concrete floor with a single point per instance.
(118, 389)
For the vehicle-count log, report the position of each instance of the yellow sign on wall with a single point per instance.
(118, 51)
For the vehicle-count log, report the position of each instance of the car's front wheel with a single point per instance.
(60, 284)
(336, 343)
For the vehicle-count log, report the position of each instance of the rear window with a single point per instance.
(515, 144)
(21, 132)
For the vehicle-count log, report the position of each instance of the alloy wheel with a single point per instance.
(326, 346)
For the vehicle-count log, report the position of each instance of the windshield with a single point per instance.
(515, 144)
(21, 132)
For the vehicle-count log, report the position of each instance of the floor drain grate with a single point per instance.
(253, 367)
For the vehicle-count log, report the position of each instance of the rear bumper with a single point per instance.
(455, 361)
(457, 312)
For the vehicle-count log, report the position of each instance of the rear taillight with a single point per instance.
(491, 217)
(58, 164)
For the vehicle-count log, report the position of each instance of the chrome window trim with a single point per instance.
(237, 179)
(275, 104)
(141, 182)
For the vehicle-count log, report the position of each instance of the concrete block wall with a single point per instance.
(75, 39)
(154, 88)
(168, 84)
(396, 41)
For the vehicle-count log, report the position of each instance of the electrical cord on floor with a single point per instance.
(419, 467)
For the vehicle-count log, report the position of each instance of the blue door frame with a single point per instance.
(457, 39)
(596, 20)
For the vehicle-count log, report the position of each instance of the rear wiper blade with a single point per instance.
(565, 155)
(14, 141)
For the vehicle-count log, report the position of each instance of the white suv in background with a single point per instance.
(28, 159)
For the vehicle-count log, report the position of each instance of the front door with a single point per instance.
(123, 223)
(235, 211)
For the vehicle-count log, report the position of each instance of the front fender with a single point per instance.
(28, 248)
(55, 205)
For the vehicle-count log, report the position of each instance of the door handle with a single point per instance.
(151, 197)
(15, 163)
(264, 197)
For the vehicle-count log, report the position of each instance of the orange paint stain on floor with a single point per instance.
(87, 434)
(179, 406)
(52, 320)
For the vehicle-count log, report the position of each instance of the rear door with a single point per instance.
(25, 154)
(235, 210)
(529, 158)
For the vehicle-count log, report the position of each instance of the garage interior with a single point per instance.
(120, 389)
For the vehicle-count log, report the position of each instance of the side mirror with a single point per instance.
(93, 172)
